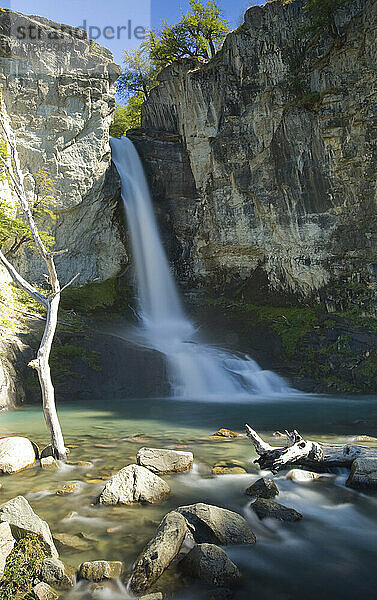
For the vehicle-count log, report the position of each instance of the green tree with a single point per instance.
(127, 117)
(139, 75)
(322, 15)
(198, 34)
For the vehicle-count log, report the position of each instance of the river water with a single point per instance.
(330, 554)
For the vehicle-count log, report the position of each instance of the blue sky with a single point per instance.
(115, 23)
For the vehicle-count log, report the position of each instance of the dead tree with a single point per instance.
(298, 451)
(49, 302)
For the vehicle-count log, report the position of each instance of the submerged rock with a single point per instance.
(164, 461)
(49, 464)
(227, 467)
(65, 541)
(269, 509)
(216, 525)
(70, 487)
(6, 544)
(300, 476)
(156, 596)
(16, 454)
(227, 433)
(263, 488)
(55, 573)
(23, 520)
(134, 484)
(363, 474)
(159, 553)
(100, 569)
(43, 591)
(210, 565)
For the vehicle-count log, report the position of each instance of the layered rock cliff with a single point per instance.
(263, 161)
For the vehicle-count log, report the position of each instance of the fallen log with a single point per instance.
(298, 451)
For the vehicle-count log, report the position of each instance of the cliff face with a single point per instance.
(263, 162)
(58, 95)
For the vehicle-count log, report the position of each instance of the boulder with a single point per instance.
(156, 596)
(134, 484)
(47, 452)
(301, 476)
(66, 541)
(49, 464)
(269, 509)
(16, 453)
(216, 525)
(159, 553)
(43, 591)
(55, 573)
(164, 461)
(210, 564)
(363, 474)
(23, 520)
(263, 488)
(6, 545)
(100, 569)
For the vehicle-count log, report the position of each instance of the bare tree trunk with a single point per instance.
(51, 303)
(306, 453)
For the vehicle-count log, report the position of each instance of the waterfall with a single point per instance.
(195, 370)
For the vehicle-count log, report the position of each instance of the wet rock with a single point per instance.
(157, 596)
(364, 438)
(71, 487)
(82, 464)
(159, 553)
(269, 509)
(16, 454)
(164, 461)
(263, 488)
(43, 591)
(363, 474)
(55, 573)
(6, 545)
(216, 525)
(300, 476)
(227, 467)
(134, 484)
(23, 520)
(49, 464)
(100, 569)
(47, 452)
(66, 541)
(210, 564)
(227, 433)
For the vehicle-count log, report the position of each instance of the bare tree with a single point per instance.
(50, 302)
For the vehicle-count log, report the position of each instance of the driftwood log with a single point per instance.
(298, 451)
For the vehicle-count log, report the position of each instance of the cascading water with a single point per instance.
(196, 370)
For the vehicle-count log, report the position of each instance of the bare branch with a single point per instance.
(22, 283)
(69, 283)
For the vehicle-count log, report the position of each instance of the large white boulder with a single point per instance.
(164, 461)
(134, 484)
(16, 453)
(23, 520)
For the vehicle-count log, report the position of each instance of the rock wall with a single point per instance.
(58, 100)
(263, 162)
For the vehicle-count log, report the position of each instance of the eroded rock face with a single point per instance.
(58, 105)
(16, 454)
(134, 484)
(23, 520)
(159, 553)
(210, 564)
(363, 474)
(260, 181)
(164, 461)
(216, 525)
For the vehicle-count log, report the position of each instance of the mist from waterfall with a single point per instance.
(195, 370)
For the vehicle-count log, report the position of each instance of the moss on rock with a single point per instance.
(22, 568)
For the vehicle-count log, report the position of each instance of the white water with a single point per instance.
(196, 370)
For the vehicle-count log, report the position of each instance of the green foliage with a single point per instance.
(62, 357)
(92, 296)
(13, 227)
(127, 117)
(22, 567)
(322, 15)
(139, 75)
(198, 34)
